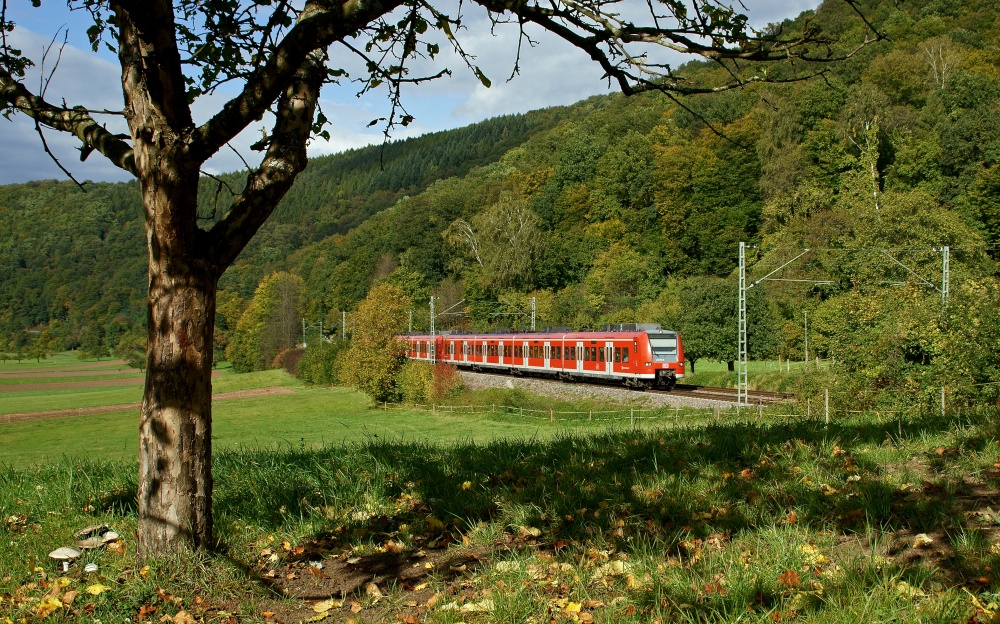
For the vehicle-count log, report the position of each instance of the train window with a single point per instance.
(600, 355)
(618, 354)
(593, 354)
(586, 355)
(625, 354)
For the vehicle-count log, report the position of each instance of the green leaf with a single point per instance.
(482, 77)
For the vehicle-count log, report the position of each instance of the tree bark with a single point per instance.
(175, 427)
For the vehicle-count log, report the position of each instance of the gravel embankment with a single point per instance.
(575, 392)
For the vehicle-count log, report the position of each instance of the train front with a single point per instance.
(666, 357)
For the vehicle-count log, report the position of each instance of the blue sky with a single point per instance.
(553, 73)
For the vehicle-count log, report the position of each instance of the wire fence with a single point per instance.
(632, 415)
(680, 415)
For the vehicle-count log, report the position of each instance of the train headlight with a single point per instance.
(648, 364)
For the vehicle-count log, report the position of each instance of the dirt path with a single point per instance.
(127, 407)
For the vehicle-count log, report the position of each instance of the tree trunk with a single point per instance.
(175, 428)
(730, 366)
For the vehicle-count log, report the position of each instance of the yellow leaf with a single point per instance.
(96, 589)
(47, 606)
(574, 607)
(144, 572)
(319, 618)
(326, 605)
(420, 586)
(62, 581)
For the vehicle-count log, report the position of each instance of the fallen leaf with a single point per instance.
(326, 605)
(47, 606)
(267, 614)
(69, 597)
(574, 607)
(356, 607)
(789, 578)
(922, 540)
(792, 517)
(183, 617)
(96, 589)
(527, 531)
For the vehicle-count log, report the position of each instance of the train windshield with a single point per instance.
(666, 345)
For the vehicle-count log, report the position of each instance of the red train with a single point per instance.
(640, 355)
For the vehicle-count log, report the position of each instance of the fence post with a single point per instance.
(590, 415)
(677, 412)
(631, 416)
(552, 416)
(826, 399)
(493, 408)
(809, 405)
(522, 411)
(942, 401)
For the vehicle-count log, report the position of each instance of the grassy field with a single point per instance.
(306, 418)
(329, 510)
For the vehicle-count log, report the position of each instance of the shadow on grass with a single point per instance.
(621, 489)
(614, 486)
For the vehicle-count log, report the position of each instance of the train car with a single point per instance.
(638, 355)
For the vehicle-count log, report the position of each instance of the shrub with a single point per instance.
(416, 381)
(319, 364)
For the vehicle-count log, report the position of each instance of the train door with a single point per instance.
(579, 356)
(500, 352)
(524, 354)
(547, 355)
(608, 362)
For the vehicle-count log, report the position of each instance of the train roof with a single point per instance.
(548, 336)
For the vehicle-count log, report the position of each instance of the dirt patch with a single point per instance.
(128, 407)
(381, 587)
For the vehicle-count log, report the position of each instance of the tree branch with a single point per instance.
(318, 26)
(285, 158)
(76, 121)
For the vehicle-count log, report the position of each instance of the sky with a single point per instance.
(552, 73)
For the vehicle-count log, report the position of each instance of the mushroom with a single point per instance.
(64, 555)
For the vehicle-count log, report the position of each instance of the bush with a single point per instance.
(319, 364)
(416, 381)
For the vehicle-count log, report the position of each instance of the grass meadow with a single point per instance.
(329, 509)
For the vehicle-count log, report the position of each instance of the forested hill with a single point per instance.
(74, 260)
(631, 209)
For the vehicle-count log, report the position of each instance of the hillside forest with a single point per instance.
(612, 210)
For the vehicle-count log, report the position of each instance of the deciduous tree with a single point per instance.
(278, 55)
